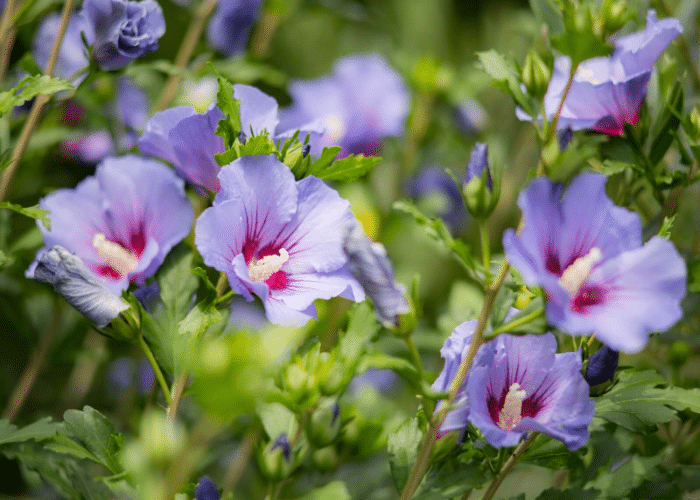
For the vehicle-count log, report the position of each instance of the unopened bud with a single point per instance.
(614, 14)
(325, 459)
(601, 366)
(324, 425)
(275, 459)
(536, 75)
(479, 193)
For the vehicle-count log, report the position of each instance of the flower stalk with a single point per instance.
(508, 466)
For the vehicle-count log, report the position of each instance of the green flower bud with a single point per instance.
(275, 459)
(325, 459)
(694, 131)
(536, 75)
(480, 192)
(324, 425)
(613, 15)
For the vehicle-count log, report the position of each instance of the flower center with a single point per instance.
(511, 413)
(335, 128)
(577, 273)
(119, 258)
(261, 270)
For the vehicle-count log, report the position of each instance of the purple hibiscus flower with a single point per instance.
(607, 92)
(588, 255)
(362, 102)
(230, 25)
(370, 265)
(520, 384)
(73, 55)
(123, 221)
(188, 140)
(278, 238)
(123, 30)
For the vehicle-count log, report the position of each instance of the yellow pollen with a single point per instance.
(262, 269)
(511, 414)
(577, 273)
(119, 258)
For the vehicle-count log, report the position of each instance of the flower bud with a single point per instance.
(324, 425)
(325, 459)
(601, 366)
(206, 490)
(72, 279)
(614, 14)
(332, 379)
(694, 131)
(536, 75)
(370, 265)
(479, 194)
(275, 459)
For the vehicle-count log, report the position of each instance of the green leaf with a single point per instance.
(667, 124)
(666, 225)
(324, 160)
(230, 125)
(629, 475)
(348, 169)
(335, 490)
(362, 329)
(612, 167)
(446, 484)
(403, 446)
(67, 446)
(578, 41)
(569, 494)
(257, 145)
(34, 212)
(39, 430)
(402, 367)
(547, 12)
(505, 75)
(29, 87)
(277, 419)
(638, 404)
(94, 431)
(177, 284)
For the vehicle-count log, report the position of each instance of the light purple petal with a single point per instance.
(154, 141)
(72, 56)
(230, 25)
(258, 110)
(132, 104)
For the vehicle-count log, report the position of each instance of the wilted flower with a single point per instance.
(121, 222)
(370, 265)
(520, 384)
(588, 256)
(72, 280)
(362, 102)
(188, 140)
(601, 366)
(278, 238)
(230, 25)
(607, 92)
(436, 193)
(73, 55)
(123, 30)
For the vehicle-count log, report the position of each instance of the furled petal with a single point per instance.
(370, 265)
(601, 366)
(230, 25)
(71, 279)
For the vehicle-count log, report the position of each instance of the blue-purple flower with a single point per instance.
(370, 265)
(361, 103)
(72, 279)
(73, 55)
(206, 489)
(188, 139)
(602, 365)
(520, 384)
(607, 92)
(230, 25)
(123, 221)
(478, 162)
(123, 30)
(588, 255)
(278, 238)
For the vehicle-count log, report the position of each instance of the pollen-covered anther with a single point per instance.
(262, 269)
(118, 257)
(511, 413)
(577, 273)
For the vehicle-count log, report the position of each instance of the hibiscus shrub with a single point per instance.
(305, 250)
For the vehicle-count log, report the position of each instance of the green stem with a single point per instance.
(430, 438)
(156, 369)
(415, 357)
(227, 296)
(178, 389)
(39, 102)
(7, 35)
(485, 252)
(506, 327)
(508, 466)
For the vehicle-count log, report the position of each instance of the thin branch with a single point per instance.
(31, 371)
(194, 31)
(508, 466)
(38, 105)
(178, 389)
(7, 35)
